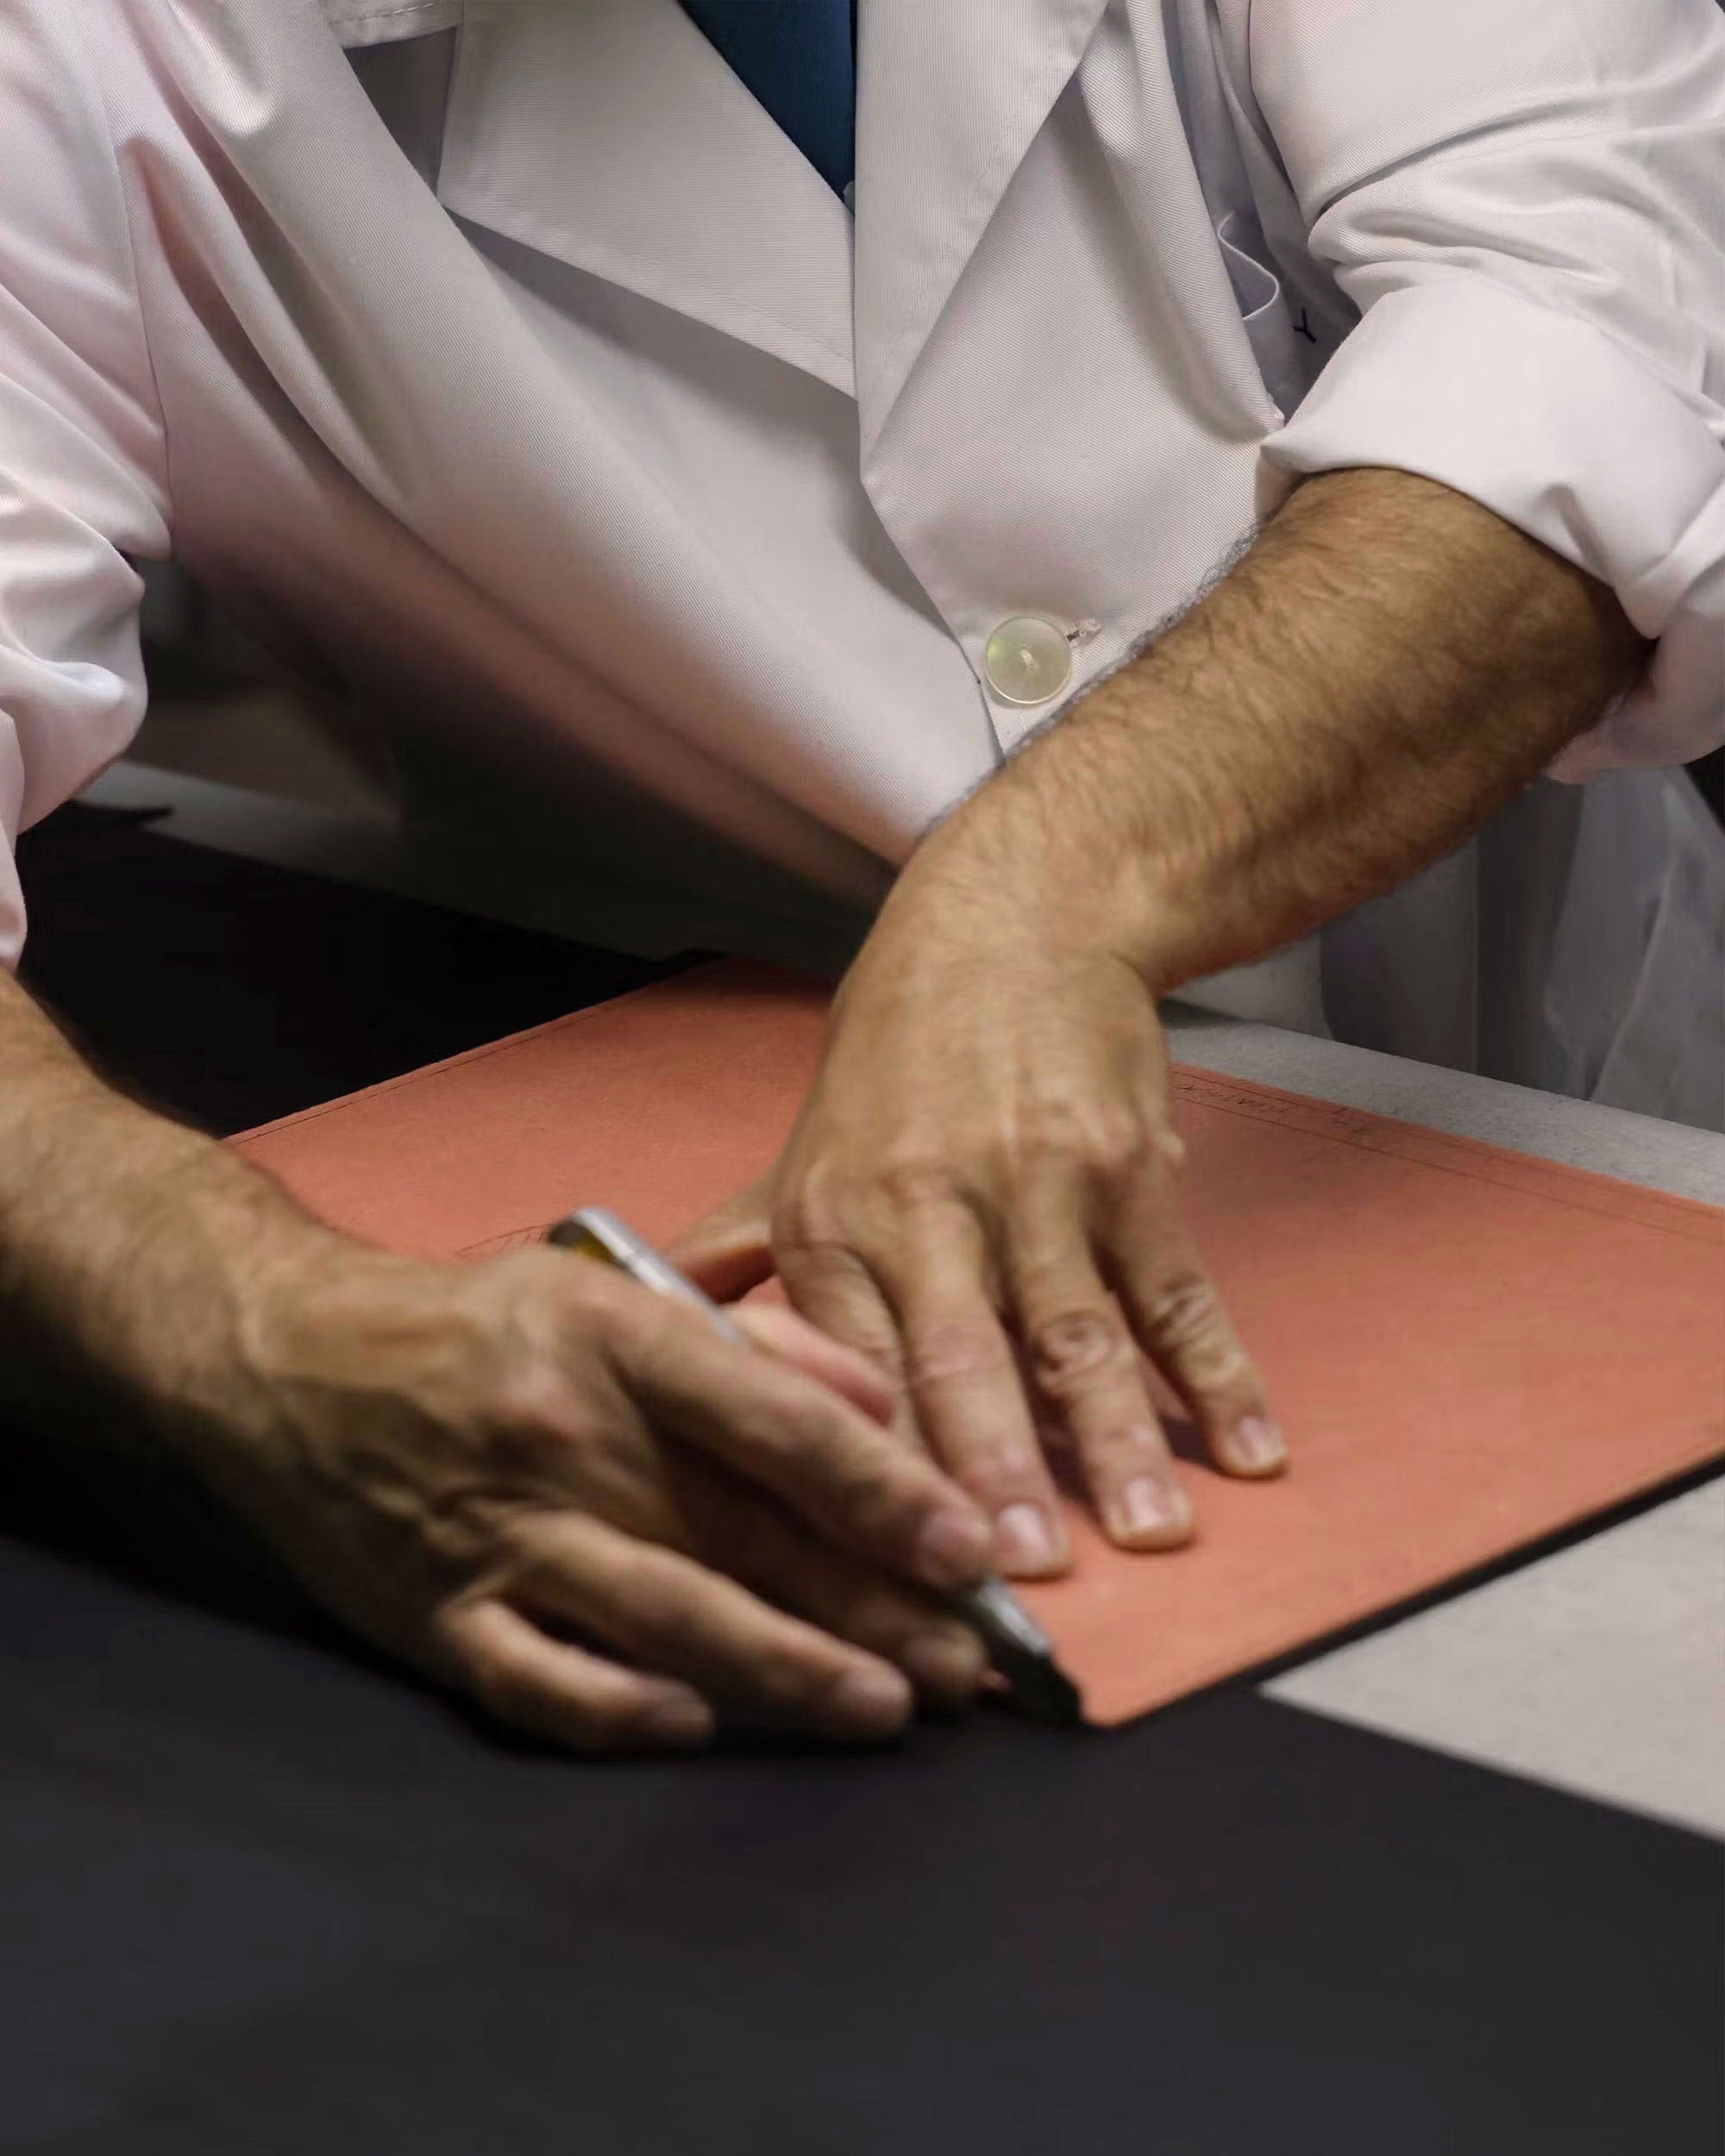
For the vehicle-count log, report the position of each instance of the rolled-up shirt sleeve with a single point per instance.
(1526, 201)
(83, 493)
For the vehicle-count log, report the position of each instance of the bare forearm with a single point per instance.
(121, 1234)
(1388, 665)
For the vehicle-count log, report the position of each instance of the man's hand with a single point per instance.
(981, 1194)
(537, 1482)
(570, 1497)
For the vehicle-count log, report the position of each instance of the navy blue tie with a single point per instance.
(798, 57)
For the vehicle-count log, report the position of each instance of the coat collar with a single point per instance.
(950, 95)
(611, 135)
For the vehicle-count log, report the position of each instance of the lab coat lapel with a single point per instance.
(611, 135)
(950, 95)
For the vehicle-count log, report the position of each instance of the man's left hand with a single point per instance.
(982, 1195)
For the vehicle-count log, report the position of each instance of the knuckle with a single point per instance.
(541, 1452)
(1073, 1346)
(821, 1211)
(783, 1677)
(574, 1300)
(809, 1247)
(659, 1615)
(1222, 1368)
(955, 1349)
(598, 1326)
(916, 1181)
(1102, 1139)
(809, 1219)
(1184, 1315)
(530, 1397)
(1121, 1143)
(633, 1326)
(848, 1307)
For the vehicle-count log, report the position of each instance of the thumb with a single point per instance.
(730, 1250)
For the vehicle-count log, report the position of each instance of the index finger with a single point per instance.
(775, 1426)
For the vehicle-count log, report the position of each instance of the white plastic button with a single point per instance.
(1027, 660)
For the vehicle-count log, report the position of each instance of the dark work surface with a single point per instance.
(260, 1896)
(232, 992)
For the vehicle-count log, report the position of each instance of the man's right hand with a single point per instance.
(574, 1501)
(533, 1479)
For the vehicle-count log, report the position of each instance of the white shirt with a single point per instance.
(614, 457)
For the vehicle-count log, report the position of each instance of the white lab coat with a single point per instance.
(568, 419)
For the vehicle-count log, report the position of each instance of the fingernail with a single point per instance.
(1149, 1510)
(949, 1663)
(869, 1703)
(953, 1549)
(678, 1718)
(1023, 1540)
(1255, 1446)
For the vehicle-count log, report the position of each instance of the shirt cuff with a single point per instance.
(1552, 425)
